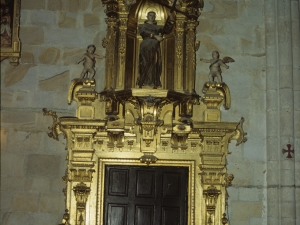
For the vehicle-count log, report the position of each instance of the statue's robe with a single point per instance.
(150, 62)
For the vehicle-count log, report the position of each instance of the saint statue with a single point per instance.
(150, 62)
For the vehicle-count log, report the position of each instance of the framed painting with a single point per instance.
(10, 24)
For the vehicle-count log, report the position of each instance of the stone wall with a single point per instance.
(54, 35)
(236, 29)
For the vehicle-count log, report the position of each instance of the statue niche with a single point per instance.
(161, 67)
(177, 50)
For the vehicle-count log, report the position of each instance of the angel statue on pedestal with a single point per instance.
(89, 60)
(215, 66)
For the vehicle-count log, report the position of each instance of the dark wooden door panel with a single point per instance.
(145, 195)
(117, 214)
(118, 182)
(172, 185)
(144, 215)
(145, 183)
(171, 216)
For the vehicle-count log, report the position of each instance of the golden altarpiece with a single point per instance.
(125, 126)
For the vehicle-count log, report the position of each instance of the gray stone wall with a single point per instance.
(54, 35)
(237, 29)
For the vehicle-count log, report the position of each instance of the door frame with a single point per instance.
(190, 164)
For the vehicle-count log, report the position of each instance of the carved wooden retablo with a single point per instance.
(143, 154)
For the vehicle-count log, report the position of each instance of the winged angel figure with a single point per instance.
(215, 66)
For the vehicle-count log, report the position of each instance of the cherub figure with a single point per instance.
(215, 66)
(89, 62)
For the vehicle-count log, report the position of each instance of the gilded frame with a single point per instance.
(191, 164)
(10, 26)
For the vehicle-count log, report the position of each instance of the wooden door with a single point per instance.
(145, 195)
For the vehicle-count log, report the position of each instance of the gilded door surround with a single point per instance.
(125, 125)
(136, 128)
